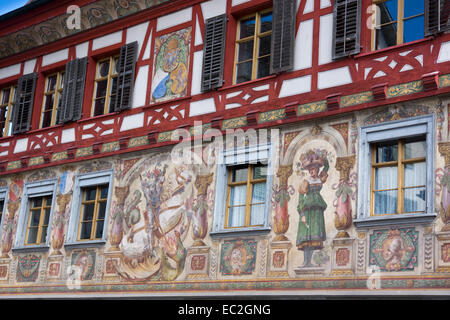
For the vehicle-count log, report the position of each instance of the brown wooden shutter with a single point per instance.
(346, 27)
(72, 98)
(283, 31)
(125, 79)
(23, 105)
(436, 16)
(214, 52)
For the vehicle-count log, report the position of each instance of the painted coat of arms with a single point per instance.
(28, 268)
(238, 257)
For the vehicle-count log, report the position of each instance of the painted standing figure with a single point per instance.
(311, 206)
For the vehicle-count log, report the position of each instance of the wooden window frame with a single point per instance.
(400, 164)
(9, 105)
(41, 225)
(256, 38)
(95, 218)
(111, 75)
(59, 87)
(400, 22)
(248, 203)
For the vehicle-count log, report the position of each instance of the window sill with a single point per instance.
(83, 244)
(232, 233)
(32, 248)
(395, 220)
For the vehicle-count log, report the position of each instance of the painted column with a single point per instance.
(116, 234)
(344, 192)
(9, 228)
(281, 196)
(444, 150)
(200, 216)
(62, 200)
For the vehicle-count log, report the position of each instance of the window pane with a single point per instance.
(245, 51)
(103, 69)
(46, 216)
(32, 235)
(238, 195)
(414, 200)
(259, 172)
(415, 174)
(116, 65)
(385, 178)
(236, 216)
(247, 28)
(264, 45)
(101, 88)
(417, 149)
(36, 202)
(88, 212)
(5, 95)
(48, 103)
(413, 29)
(90, 193)
(386, 36)
(35, 217)
(85, 232)
(244, 72)
(385, 202)
(51, 83)
(101, 210)
(46, 119)
(413, 7)
(104, 192)
(263, 67)
(388, 11)
(386, 153)
(239, 175)
(99, 230)
(99, 106)
(259, 192)
(43, 235)
(266, 22)
(61, 80)
(257, 214)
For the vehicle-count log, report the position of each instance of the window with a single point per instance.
(93, 211)
(242, 201)
(6, 105)
(105, 86)
(89, 211)
(35, 215)
(253, 43)
(396, 172)
(246, 196)
(397, 22)
(52, 99)
(38, 219)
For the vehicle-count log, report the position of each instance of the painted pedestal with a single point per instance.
(342, 257)
(278, 259)
(443, 252)
(198, 262)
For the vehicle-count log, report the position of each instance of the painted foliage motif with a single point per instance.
(238, 257)
(394, 250)
(154, 219)
(171, 66)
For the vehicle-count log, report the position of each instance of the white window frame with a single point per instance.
(235, 157)
(394, 130)
(33, 190)
(82, 181)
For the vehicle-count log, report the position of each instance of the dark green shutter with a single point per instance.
(23, 104)
(283, 31)
(73, 92)
(436, 16)
(214, 52)
(346, 27)
(125, 78)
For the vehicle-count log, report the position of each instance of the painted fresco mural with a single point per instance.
(162, 212)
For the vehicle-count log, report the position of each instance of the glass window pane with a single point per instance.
(43, 235)
(46, 217)
(103, 69)
(244, 72)
(413, 29)
(46, 119)
(116, 65)
(259, 193)
(48, 103)
(385, 178)
(386, 153)
(85, 232)
(5, 95)
(386, 36)
(385, 202)
(414, 200)
(101, 88)
(247, 28)
(88, 212)
(99, 106)
(104, 192)
(239, 175)
(263, 67)
(266, 22)
(101, 210)
(245, 51)
(259, 172)
(36, 202)
(90, 193)
(35, 217)
(236, 216)
(51, 83)
(257, 214)
(264, 45)
(413, 7)
(388, 11)
(417, 149)
(61, 80)
(32, 235)
(99, 230)
(415, 174)
(238, 195)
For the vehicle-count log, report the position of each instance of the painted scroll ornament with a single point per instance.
(62, 200)
(280, 200)
(443, 185)
(9, 228)
(200, 209)
(118, 217)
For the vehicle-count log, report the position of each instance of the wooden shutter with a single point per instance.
(125, 78)
(214, 52)
(436, 16)
(346, 27)
(23, 105)
(72, 97)
(283, 30)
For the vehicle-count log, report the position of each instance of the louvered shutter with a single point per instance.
(125, 78)
(72, 97)
(23, 105)
(214, 52)
(346, 27)
(436, 16)
(283, 30)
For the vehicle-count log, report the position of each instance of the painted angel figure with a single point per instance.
(311, 206)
